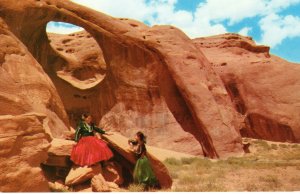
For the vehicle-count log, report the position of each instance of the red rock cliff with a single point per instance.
(155, 78)
(264, 88)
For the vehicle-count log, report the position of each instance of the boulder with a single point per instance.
(61, 147)
(58, 161)
(119, 143)
(112, 172)
(23, 147)
(99, 184)
(79, 175)
(59, 153)
(58, 186)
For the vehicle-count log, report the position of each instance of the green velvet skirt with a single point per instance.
(143, 173)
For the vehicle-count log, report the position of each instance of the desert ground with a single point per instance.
(270, 166)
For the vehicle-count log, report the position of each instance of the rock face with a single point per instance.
(132, 77)
(264, 88)
(25, 87)
(23, 147)
(154, 79)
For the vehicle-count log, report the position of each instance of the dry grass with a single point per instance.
(269, 167)
(136, 188)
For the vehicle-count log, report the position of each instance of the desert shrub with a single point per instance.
(189, 179)
(274, 147)
(199, 185)
(263, 145)
(172, 161)
(295, 146)
(202, 162)
(188, 160)
(283, 146)
(272, 182)
(174, 174)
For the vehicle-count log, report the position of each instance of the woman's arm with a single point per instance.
(77, 133)
(99, 130)
(137, 149)
(132, 147)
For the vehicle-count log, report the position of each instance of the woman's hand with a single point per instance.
(108, 133)
(98, 135)
(131, 147)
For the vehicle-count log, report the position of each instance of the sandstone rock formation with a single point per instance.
(99, 184)
(120, 144)
(264, 88)
(59, 153)
(116, 171)
(131, 77)
(79, 175)
(25, 87)
(112, 172)
(154, 80)
(23, 147)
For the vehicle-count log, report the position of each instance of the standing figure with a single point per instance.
(143, 173)
(89, 149)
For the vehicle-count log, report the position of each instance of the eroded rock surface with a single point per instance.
(79, 174)
(156, 79)
(132, 77)
(23, 147)
(264, 88)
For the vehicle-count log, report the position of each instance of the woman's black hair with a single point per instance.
(85, 115)
(141, 136)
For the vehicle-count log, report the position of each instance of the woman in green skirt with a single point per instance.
(143, 173)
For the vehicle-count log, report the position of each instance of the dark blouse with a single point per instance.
(140, 150)
(83, 130)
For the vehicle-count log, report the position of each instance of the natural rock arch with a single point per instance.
(182, 75)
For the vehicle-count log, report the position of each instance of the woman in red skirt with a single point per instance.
(89, 149)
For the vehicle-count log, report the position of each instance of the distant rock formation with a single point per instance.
(264, 88)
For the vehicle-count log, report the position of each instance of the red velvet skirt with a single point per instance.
(90, 150)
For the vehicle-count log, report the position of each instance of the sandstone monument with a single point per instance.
(197, 97)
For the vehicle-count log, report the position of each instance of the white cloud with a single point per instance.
(211, 16)
(277, 28)
(245, 31)
(62, 28)
(232, 10)
(136, 9)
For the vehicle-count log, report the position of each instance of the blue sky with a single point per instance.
(275, 23)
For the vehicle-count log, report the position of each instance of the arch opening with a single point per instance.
(76, 65)
(84, 66)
